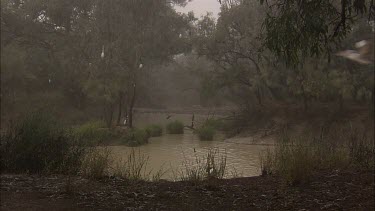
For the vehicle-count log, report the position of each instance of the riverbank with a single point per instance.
(327, 190)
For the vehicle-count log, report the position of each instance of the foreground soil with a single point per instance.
(333, 190)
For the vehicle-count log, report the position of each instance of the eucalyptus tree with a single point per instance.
(234, 44)
(295, 29)
(132, 35)
(50, 38)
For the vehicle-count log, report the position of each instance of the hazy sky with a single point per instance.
(200, 7)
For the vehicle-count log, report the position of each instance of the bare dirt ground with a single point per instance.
(331, 190)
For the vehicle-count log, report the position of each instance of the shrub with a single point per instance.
(337, 148)
(134, 168)
(215, 124)
(205, 133)
(38, 144)
(175, 127)
(210, 166)
(135, 137)
(154, 130)
(93, 132)
(96, 163)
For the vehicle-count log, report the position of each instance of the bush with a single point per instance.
(38, 144)
(210, 166)
(135, 137)
(93, 132)
(96, 163)
(215, 124)
(337, 148)
(154, 130)
(175, 127)
(205, 133)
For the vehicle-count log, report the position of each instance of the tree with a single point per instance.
(295, 30)
(133, 35)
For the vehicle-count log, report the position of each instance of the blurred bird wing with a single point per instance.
(353, 55)
(363, 47)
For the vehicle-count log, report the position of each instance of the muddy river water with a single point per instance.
(171, 151)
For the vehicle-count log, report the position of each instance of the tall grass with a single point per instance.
(335, 147)
(210, 166)
(205, 133)
(96, 163)
(135, 137)
(207, 130)
(175, 127)
(93, 132)
(39, 144)
(135, 167)
(154, 130)
(217, 124)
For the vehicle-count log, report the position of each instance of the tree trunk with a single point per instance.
(304, 98)
(258, 94)
(341, 102)
(108, 114)
(119, 108)
(131, 106)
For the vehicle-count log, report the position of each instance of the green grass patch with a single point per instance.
(175, 127)
(135, 137)
(93, 132)
(217, 124)
(154, 130)
(205, 133)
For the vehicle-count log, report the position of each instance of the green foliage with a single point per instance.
(154, 130)
(135, 137)
(295, 30)
(175, 127)
(205, 133)
(77, 33)
(39, 144)
(93, 132)
(217, 124)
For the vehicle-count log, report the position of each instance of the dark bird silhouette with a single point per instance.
(169, 116)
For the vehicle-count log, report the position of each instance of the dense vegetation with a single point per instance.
(336, 147)
(84, 61)
(39, 144)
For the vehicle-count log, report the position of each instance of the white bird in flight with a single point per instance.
(102, 55)
(363, 55)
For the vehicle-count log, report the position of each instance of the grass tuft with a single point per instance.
(205, 133)
(175, 127)
(154, 130)
(135, 137)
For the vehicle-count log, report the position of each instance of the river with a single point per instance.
(171, 151)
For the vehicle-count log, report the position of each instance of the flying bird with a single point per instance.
(363, 55)
(102, 55)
